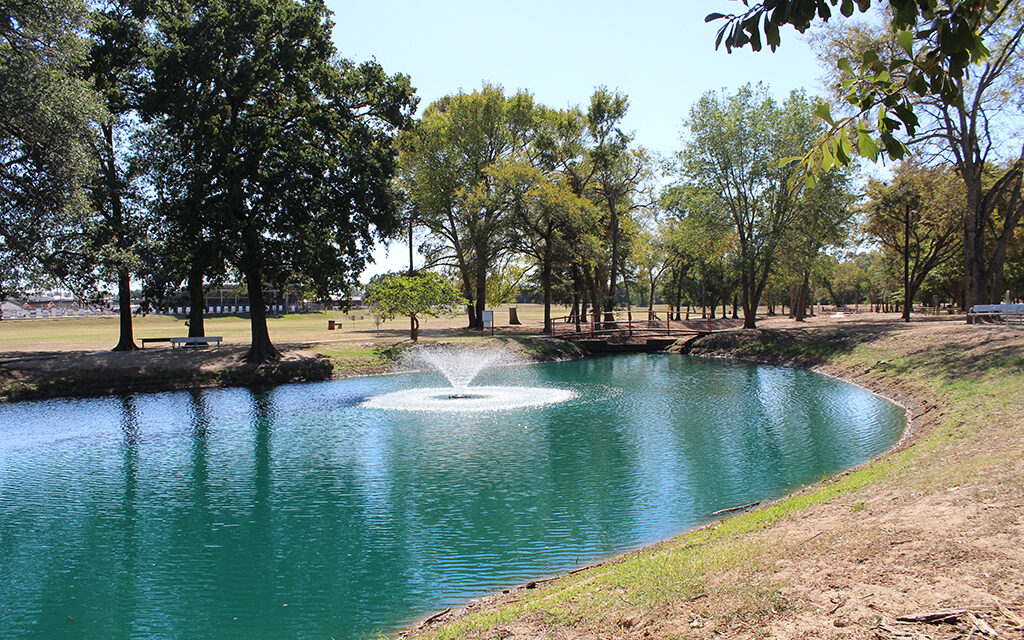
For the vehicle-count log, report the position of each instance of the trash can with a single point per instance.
(330, 325)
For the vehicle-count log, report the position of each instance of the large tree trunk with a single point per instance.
(261, 350)
(481, 295)
(613, 273)
(595, 297)
(679, 297)
(197, 302)
(906, 265)
(126, 341)
(798, 301)
(750, 311)
(545, 280)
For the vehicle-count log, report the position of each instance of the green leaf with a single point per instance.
(809, 180)
(827, 160)
(784, 162)
(866, 146)
(844, 142)
(906, 41)
(844, 65)
(823, 111)
(771, 35)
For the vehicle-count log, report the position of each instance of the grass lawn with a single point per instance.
(54, 335)
(58, 335)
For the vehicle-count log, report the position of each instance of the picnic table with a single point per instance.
(999, 312)
(195, 341)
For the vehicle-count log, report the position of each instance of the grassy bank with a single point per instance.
(935, 524)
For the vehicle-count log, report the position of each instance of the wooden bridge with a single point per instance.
(627, 325)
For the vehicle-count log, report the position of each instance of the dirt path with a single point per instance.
(927, 542)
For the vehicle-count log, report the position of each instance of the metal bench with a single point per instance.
(195, 341)
(999, 312)
(143, 341)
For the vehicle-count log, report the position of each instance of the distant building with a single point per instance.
(233, 298)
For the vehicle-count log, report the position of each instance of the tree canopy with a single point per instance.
(731, 157)
(291, 143)
(44, 146)
(424, 293)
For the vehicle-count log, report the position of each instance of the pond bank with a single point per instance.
(935, 525)
(79, 374)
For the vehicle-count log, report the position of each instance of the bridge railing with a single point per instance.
(626, 324)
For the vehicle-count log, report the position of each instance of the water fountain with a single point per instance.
(460, 366)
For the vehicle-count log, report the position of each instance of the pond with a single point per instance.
(305, 512)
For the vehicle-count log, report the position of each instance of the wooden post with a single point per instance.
(709, 324)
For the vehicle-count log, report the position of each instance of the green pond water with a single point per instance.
(298, 512)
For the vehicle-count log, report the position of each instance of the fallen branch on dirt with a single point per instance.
(731, 509)
(982, 626)
(573, 572)
(933, 617)
(433, 618)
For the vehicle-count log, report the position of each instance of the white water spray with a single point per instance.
(460, 366)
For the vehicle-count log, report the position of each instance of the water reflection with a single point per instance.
(199, 414)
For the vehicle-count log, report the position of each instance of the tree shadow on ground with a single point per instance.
(945, 349)
(969, 355)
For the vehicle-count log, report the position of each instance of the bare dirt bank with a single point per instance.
(925, 542)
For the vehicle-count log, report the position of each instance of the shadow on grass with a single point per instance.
(966, 354)
(800, 346)
(1000, 353)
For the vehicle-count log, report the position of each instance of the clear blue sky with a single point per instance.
(660, 54)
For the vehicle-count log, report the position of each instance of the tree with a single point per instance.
(917, 218)
(974, 132)
(546, 215)
(115, 66)
(991, 167)
(425, 293)
(823, 220)
(651, 254)
(44, 146)
(732, 158)
(295, 143)
(704, 238)
(617, 182)
(446, 163)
